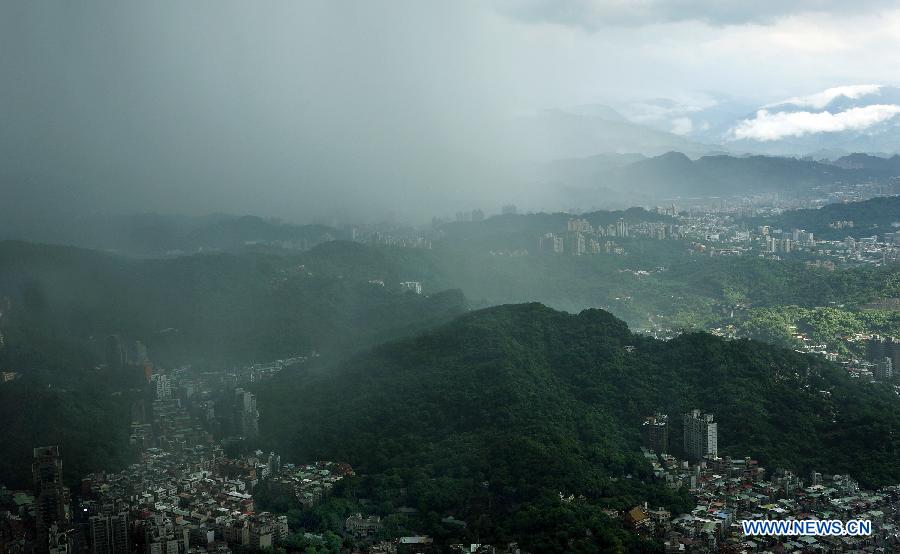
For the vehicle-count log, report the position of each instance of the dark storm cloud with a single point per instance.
(292, 108)
(327, 108)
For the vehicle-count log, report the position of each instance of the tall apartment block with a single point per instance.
(109, 533)
(700, 435)
(655, 432)
(51, 498)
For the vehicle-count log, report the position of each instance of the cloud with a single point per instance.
(590, 15)
(767, 126)
(682, 125)
(822, 99)
(296, 110)
(664, 109)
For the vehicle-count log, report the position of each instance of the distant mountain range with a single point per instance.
(826, 124)
(641, 179)
(616, 156)
(886, 167)
(555, 134)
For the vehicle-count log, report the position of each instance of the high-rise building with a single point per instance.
(59, 541)
(621, 228)
(163, 387)
(51, 497)
(246, 414)
(576, 225)
(109, 533)
(414, 286)
(116, 352)
(655, 432)
(551, 242)
(700, 435)
(138, 355)
(884, 370)
(815, 478)
(578, 244)
(2, 338)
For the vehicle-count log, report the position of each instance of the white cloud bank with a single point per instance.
(821, 99)
(768, 126)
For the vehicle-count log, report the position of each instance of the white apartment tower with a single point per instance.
(700, 435)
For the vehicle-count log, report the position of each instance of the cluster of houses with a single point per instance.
(731, 490)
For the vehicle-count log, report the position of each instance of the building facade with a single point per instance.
(700, 435)
(655, 432)
(52, 501)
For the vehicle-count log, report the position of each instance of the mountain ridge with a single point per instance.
(532, 402)
(675, 174)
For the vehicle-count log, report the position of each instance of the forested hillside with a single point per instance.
(507, 407)
(216, 308)
(59, 305)
(871, 217)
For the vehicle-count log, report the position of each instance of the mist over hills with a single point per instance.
(609, 181)
(60, 305)
(152, 234)
(212, 308)
(724, 151)
(466, 277)
(554, 134)
(530, 400)
(594, 155)
(643, 179)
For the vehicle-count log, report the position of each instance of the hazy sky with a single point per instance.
(303, 109)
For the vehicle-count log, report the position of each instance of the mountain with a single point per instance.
(235, 232)
(876, 216)
(216, 308)
(587, 169)
(706, 119)
(150, 234)
(887, 166)
(675, 174)
(490, 418)
(521, 230)
(88, 418)
(559, 134)
(60, 304)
